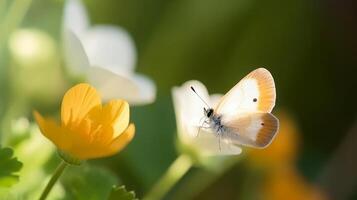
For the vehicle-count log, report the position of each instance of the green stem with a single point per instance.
(2, 7)
(11, 19)
(201, 179)
(15, 15)
(175, 172)
(53, 179)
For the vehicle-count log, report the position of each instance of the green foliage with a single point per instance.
(9, 165)
(35, 152)
(120, 193)
(87, 182)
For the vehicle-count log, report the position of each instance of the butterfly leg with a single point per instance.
(198, 132)
(219, 133)
(202, 126)
(219, 141)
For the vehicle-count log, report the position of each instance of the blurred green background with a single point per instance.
(310, 48)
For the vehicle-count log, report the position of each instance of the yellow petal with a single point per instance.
(52, 131)
(113, 119)
(122, 140)
(77, 102)
(117, 112)
(119, 142)
(89, 130)
(99, 150)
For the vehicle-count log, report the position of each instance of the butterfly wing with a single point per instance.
(245, 110)
(255, 129)
(254, 93)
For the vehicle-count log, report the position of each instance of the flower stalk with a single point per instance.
(175, 172)
(59, 170)
(15, 15)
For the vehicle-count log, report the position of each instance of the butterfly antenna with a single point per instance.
(193, 89)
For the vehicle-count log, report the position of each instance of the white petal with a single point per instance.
(136, 90)
(111, 48)
(209, 145)
(189, 112)
(189, 108)
(74, 55)
(147, 89)
(75, 17)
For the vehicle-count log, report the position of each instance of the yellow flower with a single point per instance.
(289, 184)
(88, 129)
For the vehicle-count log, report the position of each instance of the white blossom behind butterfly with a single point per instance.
(105, 55)
(188, 110)
(242, 116)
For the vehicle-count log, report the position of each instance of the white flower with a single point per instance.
(105, 55)
(189, 112)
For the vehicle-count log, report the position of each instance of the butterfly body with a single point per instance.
(243, 116)
(214, 121)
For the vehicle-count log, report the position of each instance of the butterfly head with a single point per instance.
(208, 112)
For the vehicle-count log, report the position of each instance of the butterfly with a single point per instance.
(243, 115)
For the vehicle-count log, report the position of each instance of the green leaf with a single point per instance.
(39, 160)
(120, 193)
(9, 165)
(87, 182)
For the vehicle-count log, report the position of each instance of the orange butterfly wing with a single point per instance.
(254, 93)
(246, 108)
(255, 130)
